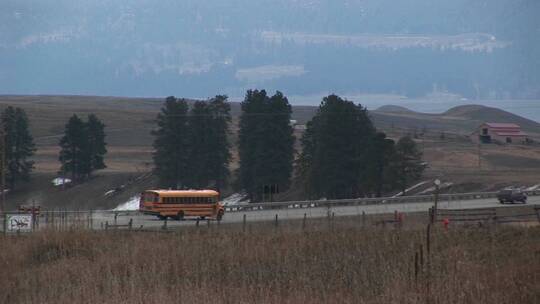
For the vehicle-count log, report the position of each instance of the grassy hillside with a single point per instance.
(130, 120)
(461, 120)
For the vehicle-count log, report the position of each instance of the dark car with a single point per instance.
(511, 196)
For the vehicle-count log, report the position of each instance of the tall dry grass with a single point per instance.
(339, 263)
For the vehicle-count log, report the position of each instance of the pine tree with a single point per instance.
(334, 149)
(380, 154)
(277, 154)
(199, 138)
(266, 144)
(96, 144)
(209, 147)
(218, 163)
(171, 146)
(74, 146)
(406, 165)
(249, 140)
(19, 145)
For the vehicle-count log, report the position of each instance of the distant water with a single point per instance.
(526, 108)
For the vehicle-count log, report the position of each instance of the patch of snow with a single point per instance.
(110, 192)
(131, 205)
(410, 189)
(59, 181)
(235, 199)
(432, 189)
(533, 188)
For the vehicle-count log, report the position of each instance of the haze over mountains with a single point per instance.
(196, 48)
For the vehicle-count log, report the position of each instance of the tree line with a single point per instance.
(83, 147)
(342, 154)
(192, 148)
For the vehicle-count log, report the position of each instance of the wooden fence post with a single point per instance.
(5, 222)
(244, 223)
(415, 267)
(421, 256)
(428, 241)
(276, 221)
(363, 219)
(304, 222)
(164, 227)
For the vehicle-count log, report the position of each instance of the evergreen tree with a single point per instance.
(96, 144)
(407, 165)
(199, 138)
(218, 162)
(380, 154)
(249, 139)
(208, 143)
(19, 145)
(74, 146)
(277, 154)
(171, 144)
(334, 149)
(266, 143)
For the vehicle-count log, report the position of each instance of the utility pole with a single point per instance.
(437, 188)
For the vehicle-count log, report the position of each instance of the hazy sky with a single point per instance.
(194, 48)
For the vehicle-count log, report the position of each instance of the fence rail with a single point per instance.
(485, 215)
(366, 201)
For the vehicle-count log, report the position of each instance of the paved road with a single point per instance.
(268, 215)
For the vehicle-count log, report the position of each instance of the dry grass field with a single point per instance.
(343, 263)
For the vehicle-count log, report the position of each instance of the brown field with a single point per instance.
(342, 263)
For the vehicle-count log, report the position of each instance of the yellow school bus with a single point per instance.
(179, 204)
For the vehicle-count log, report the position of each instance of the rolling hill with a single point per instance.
(460, 120)
(130, 120)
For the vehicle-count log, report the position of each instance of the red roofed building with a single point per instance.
(508, 133)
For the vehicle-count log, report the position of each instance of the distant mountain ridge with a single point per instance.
(461, 119)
